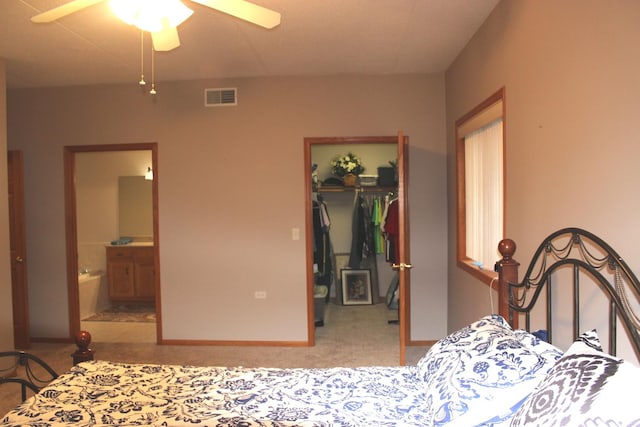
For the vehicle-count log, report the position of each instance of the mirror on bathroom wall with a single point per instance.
(135, 207)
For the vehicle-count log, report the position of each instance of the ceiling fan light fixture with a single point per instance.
(149, 15)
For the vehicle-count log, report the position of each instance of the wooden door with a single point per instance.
(17, 243)
(120, 273)
(404, 264)
(121, 279)
(145, 274)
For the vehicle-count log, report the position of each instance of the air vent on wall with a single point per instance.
(220, 97)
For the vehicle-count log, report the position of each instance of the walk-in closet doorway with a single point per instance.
(95, 221)
(341, 146)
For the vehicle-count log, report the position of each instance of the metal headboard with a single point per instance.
(31, 378)
(584, 253)
(37, 373)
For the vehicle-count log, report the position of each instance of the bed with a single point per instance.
(488, 373)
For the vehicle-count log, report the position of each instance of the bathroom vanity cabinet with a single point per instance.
(130, 272)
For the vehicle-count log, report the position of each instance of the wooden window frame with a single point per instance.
(486, 274)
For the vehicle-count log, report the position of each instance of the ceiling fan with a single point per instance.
(161, 18)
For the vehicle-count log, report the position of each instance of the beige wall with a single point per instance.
(570, 70)
(231, 188)
(6, 311)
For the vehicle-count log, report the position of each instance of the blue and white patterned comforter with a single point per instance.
(99, 393)
(479, 375)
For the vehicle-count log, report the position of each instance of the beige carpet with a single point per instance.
(352, 336)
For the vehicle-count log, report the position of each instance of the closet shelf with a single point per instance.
(363, 188)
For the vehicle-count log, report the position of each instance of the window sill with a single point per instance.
(486, 276)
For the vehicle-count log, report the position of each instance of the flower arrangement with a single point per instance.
(350, 163)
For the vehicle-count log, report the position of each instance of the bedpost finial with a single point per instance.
(83, 340)
(83, 353)
(507, 248)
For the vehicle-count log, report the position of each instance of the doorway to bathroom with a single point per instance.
(111, 195)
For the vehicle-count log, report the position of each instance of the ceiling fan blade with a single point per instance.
(165, 39)
(64, 10)
(244, 10)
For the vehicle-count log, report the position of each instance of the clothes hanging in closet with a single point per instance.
(357, 233)
(377, 212)
(391, 230)
(322, 243)
(362, 232)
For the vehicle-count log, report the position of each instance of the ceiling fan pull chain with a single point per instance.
(142, 82)
(153, 72)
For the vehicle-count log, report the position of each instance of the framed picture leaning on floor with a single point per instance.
(356, 287)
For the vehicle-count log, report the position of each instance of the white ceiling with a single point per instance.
(315, 37)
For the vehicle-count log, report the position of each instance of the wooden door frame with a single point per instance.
(71, 224)
(403, 302)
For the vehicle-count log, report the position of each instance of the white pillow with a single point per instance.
(480, 374)
(586, 387)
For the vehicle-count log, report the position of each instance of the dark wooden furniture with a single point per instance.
(130, 272)
(83, 353)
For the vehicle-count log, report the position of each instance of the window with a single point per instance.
(480, 185)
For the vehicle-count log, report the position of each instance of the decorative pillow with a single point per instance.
(586, 387)
(481, 374)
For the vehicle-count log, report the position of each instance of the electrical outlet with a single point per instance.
(295, 234)
(260, 295)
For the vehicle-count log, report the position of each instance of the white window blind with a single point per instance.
(484, 193)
